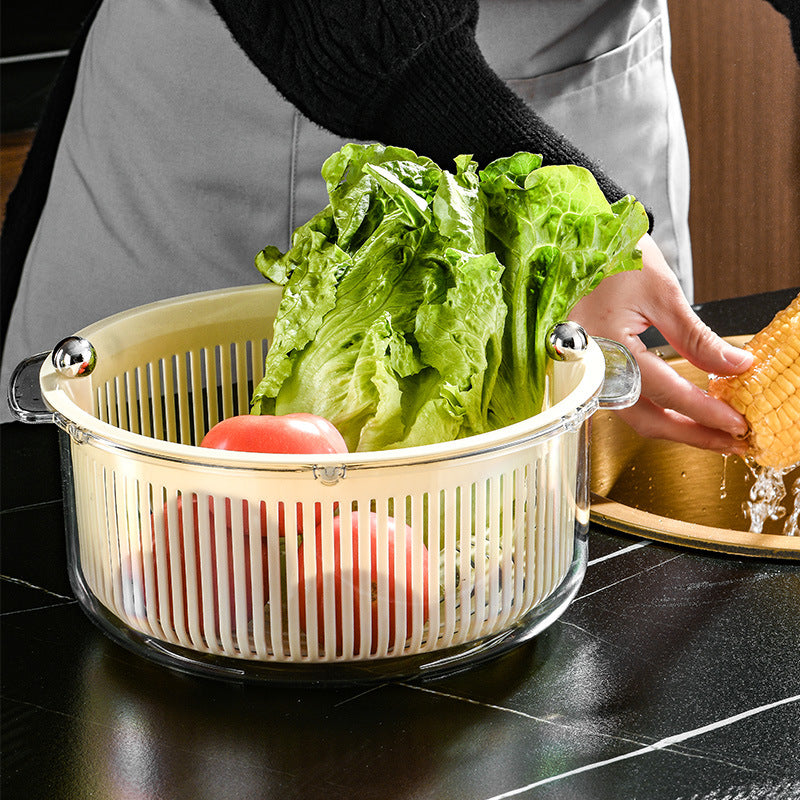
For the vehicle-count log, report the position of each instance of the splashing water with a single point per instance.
(723, 487)
(766, 494)
(792, 525)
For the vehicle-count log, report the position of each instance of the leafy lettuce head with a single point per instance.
(415, 305)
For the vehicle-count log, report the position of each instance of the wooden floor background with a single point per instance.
(13, 149)
(739, 83)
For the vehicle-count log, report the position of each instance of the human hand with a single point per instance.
(670, 407)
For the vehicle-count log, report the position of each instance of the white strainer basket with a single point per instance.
(424, 559)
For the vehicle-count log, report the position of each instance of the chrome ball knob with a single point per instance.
(566, 341)
(74, 356)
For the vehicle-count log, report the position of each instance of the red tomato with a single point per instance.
(414, 593)
(286, 433)
(135, 596)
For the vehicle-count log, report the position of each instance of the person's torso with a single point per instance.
(179, 161)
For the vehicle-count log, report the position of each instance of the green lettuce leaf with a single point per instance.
(558, 237)
(415, 305)
(370, 308)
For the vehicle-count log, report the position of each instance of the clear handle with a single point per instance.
(567, 341)
(623, 380)
(73, 357)
(24, 392)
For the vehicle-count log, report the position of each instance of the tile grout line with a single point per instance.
(626, 578)
(29, 506)
(515, 711)
(595, 637)
(662, 744)
(621, 552)
(29, 585)
(368, 690)
(33, 57)
(38, 608)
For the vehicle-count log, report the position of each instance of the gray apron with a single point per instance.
(179, 161)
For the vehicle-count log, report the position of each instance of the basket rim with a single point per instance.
(566, 414)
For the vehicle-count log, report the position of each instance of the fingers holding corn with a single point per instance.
(768, 393)
(670, 407)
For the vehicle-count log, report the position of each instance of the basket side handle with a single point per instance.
(623, 379)
(24, 392)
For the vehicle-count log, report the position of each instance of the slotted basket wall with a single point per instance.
(305, 568)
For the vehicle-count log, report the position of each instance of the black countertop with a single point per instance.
(674, 674)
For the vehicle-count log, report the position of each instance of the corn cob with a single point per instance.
(768, 393)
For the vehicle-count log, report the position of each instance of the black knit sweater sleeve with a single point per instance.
(791, 10)
(403, 72)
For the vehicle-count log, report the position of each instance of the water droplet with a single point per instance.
(723, 489)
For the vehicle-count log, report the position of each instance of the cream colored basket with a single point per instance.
(305, 568)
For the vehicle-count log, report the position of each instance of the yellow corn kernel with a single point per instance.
(768, 394)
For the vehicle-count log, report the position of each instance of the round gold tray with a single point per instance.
(678, 494)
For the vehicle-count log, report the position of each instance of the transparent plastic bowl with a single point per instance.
(207, 561)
